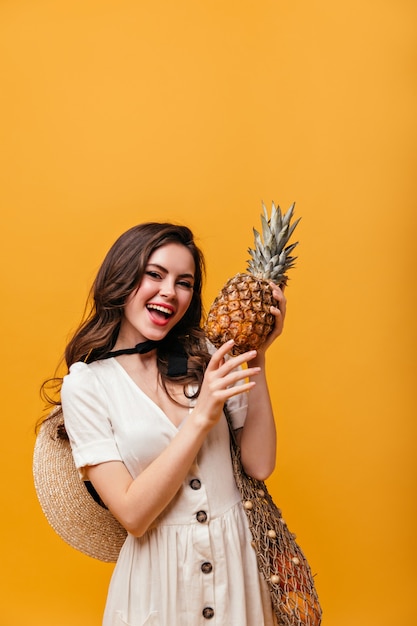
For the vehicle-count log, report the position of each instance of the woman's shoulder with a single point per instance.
(87, 383)
(82, 374)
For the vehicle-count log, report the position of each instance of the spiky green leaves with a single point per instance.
(271, 257)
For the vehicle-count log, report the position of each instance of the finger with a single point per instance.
(237, 389)
(277, 291)
(237, 364)
(236, 376)
(219, 356)
(283, 308)
(276, 312)
(225, 393)
(218, 359)
(278, 294)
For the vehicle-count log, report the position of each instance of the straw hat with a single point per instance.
(67, 504)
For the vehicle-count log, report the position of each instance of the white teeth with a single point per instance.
(158, 307)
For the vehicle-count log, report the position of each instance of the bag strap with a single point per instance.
(232, 431)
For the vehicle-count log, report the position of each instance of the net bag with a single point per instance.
(280, 559)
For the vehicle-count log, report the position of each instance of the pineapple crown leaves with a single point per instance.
(271, 257)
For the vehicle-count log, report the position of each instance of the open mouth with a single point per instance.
(160, 312)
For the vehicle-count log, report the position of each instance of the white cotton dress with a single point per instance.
(196, 565)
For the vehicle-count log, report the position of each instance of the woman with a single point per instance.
(147, 429)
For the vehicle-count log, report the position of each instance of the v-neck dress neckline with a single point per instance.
(148, 398)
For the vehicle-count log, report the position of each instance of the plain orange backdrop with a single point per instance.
(113, 113)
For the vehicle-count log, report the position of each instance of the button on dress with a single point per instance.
(195, 566)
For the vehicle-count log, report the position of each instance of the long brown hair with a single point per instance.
(120, 273)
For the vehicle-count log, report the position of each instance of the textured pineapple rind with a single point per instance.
(241, 312)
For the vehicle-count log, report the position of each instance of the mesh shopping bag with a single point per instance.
(280, 559)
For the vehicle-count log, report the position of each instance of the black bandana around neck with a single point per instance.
(177, 357)
(140, 348)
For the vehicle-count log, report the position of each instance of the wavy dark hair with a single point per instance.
(119, 275)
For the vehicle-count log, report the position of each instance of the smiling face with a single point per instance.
(162, 298)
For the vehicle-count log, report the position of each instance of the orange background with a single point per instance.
(113, 113)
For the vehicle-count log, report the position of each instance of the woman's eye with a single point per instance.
(153, 274)
(185, 283)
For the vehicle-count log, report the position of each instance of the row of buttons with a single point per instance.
(206, 567)
(201, 516)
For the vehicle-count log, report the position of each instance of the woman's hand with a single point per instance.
(220, 380)
(279, 314)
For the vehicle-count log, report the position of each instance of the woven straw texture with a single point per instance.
(280, 559)
(69, 508)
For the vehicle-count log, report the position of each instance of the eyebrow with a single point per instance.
(163, 269)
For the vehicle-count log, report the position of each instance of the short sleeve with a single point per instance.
(238, 408)
(87, 422)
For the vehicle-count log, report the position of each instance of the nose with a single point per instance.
(167, 288)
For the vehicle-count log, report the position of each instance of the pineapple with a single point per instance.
(241, 311)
